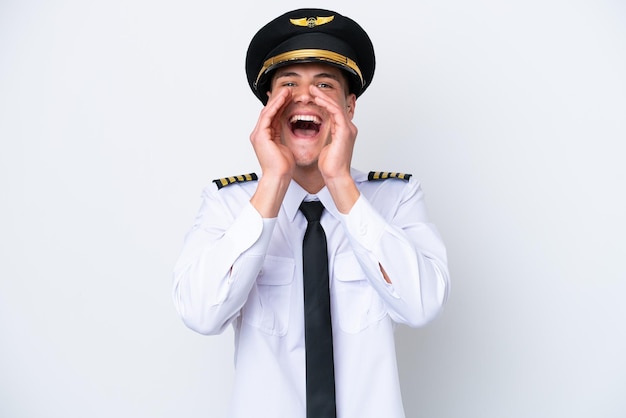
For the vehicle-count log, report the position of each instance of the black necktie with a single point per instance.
(320, 372)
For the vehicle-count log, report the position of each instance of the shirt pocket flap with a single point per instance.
(356, 306)
(276, 271)
(347, 268)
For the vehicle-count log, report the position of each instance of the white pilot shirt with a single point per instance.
(238, 268)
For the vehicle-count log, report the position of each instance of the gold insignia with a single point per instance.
(311, 22)
(223, 182)
(301, 54)
(379, 175)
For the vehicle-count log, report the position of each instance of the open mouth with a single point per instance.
(305, 125)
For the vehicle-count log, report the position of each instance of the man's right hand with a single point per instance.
(276, 160)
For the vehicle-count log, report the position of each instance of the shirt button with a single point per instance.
(363, 229)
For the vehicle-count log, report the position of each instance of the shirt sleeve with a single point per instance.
(220, 260)
(408, 248)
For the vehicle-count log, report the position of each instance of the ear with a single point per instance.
(351, 104)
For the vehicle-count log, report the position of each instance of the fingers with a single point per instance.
(270, 114)
(277, 102)
(335, 109)
(274, 158)
(340, 114)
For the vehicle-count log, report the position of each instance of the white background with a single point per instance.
(114, 114)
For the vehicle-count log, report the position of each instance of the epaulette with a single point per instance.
(380, 175)
(223, 182)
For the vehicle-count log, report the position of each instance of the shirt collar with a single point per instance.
(291, 203)
(296, 194)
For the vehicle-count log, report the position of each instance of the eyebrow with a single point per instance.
(296, 74)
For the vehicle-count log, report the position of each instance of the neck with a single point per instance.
(309, 178)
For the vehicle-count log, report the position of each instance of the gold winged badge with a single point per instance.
(311, 22)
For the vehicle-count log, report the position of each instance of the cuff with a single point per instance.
(364, 224)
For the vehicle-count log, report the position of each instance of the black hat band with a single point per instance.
(311, 54)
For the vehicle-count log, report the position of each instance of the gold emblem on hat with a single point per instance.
(311, 22)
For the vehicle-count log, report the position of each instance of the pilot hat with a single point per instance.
(310, 35)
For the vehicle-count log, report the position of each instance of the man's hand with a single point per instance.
(335, 159)
(276, 160)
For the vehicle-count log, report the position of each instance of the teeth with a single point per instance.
(305, 118)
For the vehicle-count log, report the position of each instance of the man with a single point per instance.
(244, 262)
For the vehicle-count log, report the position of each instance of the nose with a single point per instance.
(302, 94)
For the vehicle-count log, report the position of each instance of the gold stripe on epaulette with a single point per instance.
(384, 175)
(225, 181)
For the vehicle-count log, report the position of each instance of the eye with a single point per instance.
(289, 84)
(323, 85)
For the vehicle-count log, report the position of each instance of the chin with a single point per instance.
(306, 163)
(306, 160)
